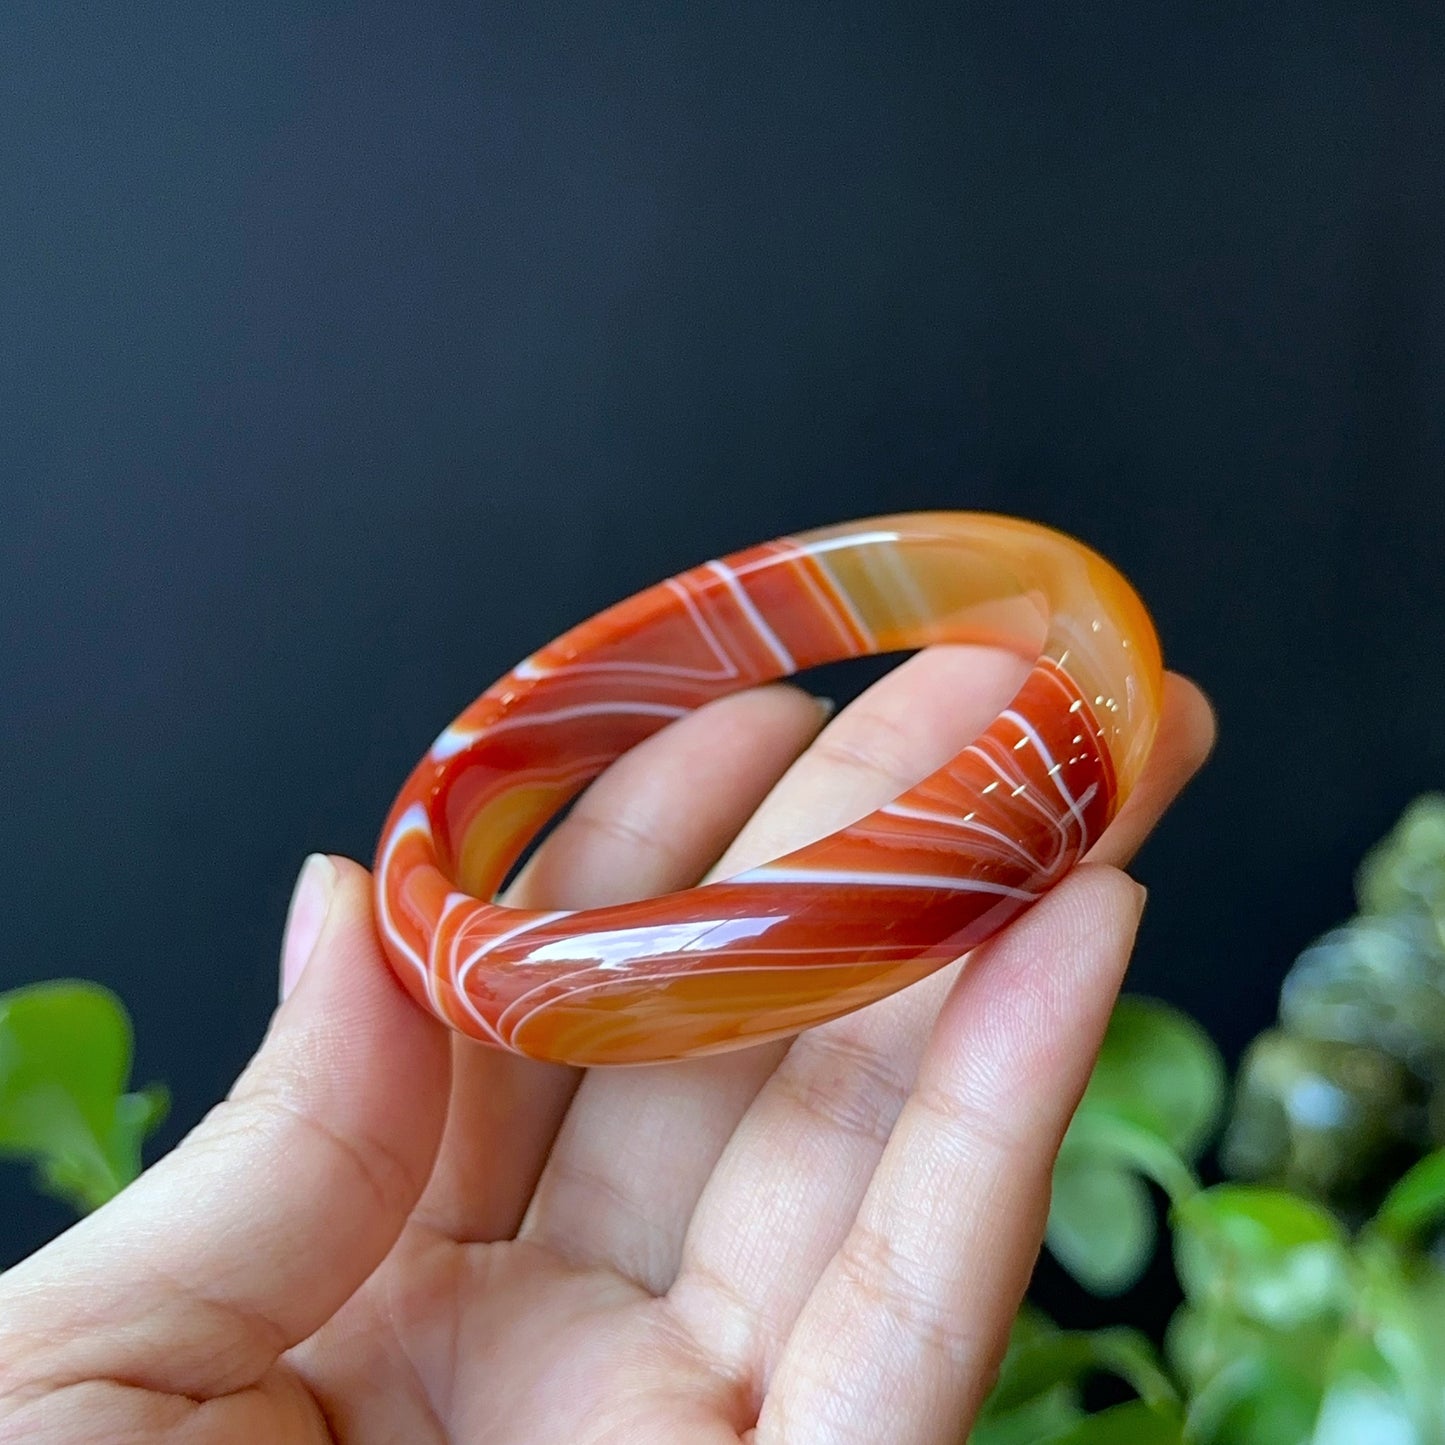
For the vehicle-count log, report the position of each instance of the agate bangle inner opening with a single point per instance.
(829, 927)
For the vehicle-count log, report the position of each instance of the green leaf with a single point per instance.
(1030, 1324)
(1250, 1403)
(1133, 1424)
(65, 1054)
(1366, 1400)
(1248, 1384)
(1154, 1097)
(1265, 1254)
(1104, 1137)
(1101, 1226)
(1101, 1219)
(1373, 1375)
(1395, 1336)
(1068, 1357)
(1316, 1115)
(1028, 1424)
(1422, 1285)
(1038, 1420)
(1374, 981)
(1026, 1420)
(1160, 1070)
(1417, 1202)
(1036, 1398)
(1407, 869)
(137, 1117)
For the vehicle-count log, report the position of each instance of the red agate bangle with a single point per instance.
(820, 931)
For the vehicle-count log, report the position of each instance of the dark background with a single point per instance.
(349, 352)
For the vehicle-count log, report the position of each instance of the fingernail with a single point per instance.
(310, 902)
(826, 708)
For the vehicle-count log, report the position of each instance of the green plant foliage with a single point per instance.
(1406, 871)
(1151, 1105)
(1065, 1357)
(1319, 1116)
(1015, 1414)
(1351, 1086)
(1294, 1330)
(1244, 1381)
(1263, 1254)
(1101, 1225)
(1416, 1203)
(1158, 1068)
(1136, 1423)
(1037, 1395)
(1294, 1334)
(1365, 1399)
(65, 1058)
(1377, 981)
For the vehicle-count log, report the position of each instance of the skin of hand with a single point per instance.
(386, 1234)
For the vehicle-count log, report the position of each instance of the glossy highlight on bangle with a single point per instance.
(831, 926)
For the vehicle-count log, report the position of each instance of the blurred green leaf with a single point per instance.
(1248, 1384)
(1406, 870)
(1417, 1201)
(1203, 1341)
(1036, 1397)
(1068, 1357)
(1395, 1332)
(1160, 1070)
(1038, 1420)
(1101, 1225)
(1249, 1403)
(1262, 1253)
(1352, 1083)
(65, 1055)
(1030, 1324)
(1378, 981)
(1030, 1417)
(1371, 1374)
(1154, 1097)
(1133, 1424)
(1101, 1136)
(1422, 1282)
(1366, 1400)
(1317, 1115)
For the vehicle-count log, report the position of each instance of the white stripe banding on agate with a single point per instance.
(822, 877)
(766, 635)
(413, 820)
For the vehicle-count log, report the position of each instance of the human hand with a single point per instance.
(389, 1234)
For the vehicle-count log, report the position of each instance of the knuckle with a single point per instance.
(845, 1085)
(869, 742)
(617, 829)
(967, 1120)
(889, 1284)
(375, 1167)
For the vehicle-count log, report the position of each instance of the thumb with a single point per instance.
(276, 1208)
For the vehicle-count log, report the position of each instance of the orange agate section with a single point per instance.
(827, 928)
